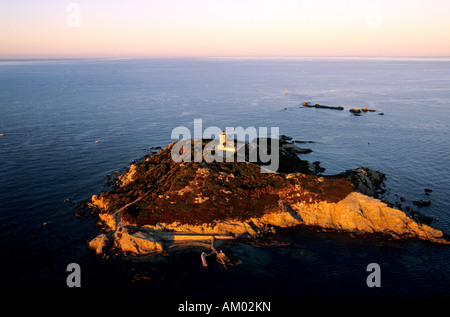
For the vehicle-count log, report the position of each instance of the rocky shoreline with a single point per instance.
(357, 214)
(205, 204)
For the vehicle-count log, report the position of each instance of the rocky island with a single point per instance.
(158, 203)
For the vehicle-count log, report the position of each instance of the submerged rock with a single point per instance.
(294, 148)
(309, 105)
(422, 203)
(285, 138)
(421, 218)
(298, 141)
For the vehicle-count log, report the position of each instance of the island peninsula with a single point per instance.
(158, 202)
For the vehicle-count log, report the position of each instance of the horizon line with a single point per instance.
(218, 57)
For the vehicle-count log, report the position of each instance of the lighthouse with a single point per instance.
(223, 139)
(224, 145)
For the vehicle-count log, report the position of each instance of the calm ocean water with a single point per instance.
(53, 111)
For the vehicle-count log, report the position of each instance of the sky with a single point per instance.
(223, 28)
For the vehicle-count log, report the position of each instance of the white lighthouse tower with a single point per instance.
(225, 145)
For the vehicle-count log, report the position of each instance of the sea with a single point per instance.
(66, 124)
